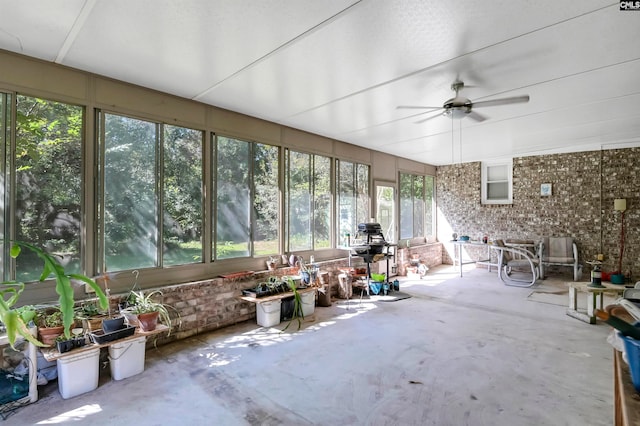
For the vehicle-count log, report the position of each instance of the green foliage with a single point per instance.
(48, 172)
(297, 316)
(90, 308)
(49, 318)
(140, 303)
(12, 290)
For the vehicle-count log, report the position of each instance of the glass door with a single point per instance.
(386, 209)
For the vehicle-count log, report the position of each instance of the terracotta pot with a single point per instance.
(148, 321)
(47, 335)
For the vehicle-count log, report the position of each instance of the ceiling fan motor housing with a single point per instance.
(457, 107)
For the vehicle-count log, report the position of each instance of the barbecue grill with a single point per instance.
(371, 242)
(370, 246)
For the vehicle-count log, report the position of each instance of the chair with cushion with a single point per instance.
(514, 262)
(560, 251)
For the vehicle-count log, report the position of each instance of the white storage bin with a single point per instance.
(126, 358)
(78, 373)
(308, 303)
(268, 313)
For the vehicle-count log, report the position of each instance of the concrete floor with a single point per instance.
(461, 351)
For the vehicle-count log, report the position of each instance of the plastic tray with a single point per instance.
(100, 337)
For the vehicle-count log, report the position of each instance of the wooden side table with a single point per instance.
(595, 296)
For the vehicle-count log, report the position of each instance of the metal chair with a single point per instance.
(512, 260)
(560, 251)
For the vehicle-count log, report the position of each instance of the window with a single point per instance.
(246, 185)
(134, 188)
(497, 183)
(47, 172)
(308, 201)
(129, 214)
(182, 201)
(266, 207)
(416, 206)
(353, 197)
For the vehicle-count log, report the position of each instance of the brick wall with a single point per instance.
(207, 305)
(584, 186)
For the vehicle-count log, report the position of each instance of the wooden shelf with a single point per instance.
(276, 296)
(52, 354)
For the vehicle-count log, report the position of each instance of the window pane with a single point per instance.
(498, 191)
(233, 214)
(497, 173)
(299, 207)
(406, 206)
(5, 128)
(385, 214)
(353, 197)
(418, 206)
(48, 182)
(322, 202)
(182, 196)
(265, 204)
(428, 206)
(346, 200)
(130, 181)
(363, 214)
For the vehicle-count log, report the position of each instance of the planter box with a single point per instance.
(101, 337)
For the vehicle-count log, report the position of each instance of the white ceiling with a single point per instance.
(339, 68)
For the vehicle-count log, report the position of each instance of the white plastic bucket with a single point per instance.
(268, 313)
(308, 303)
(78, 374)
(126, 358)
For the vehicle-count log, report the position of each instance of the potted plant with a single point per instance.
(297, 313)
(50, 325)
(272, 263)
(146, 310)
(304, 270)
(91, 315)
(11, 291)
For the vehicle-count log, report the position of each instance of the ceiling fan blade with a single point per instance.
(502, 101)
(416, 107)
(476, 117)
(428, 118)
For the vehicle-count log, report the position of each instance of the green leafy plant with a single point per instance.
(10, 292)
(49, 318)
(140, 303)
(297, 306)
(89, 308)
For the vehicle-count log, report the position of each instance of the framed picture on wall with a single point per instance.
(545, 189)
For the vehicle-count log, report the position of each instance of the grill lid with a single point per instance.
(370, 228)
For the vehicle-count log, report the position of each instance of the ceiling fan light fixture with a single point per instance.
(456, 113)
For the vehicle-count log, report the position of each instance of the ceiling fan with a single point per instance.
(459, 107)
